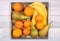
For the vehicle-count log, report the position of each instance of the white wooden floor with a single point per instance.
(5, 20)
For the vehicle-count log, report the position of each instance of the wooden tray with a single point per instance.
(45, 3)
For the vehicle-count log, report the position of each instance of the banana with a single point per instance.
(40, 4)
(33, 18)
(41, 9)
(44, 31)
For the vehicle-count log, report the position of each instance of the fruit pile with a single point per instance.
(29, 20)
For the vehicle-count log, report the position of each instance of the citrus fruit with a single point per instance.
(17, 32)
(39, 18)
(28, 11)
(19, 24)
(27, 23)
(17, 6)
(39, 25)
(26, 31)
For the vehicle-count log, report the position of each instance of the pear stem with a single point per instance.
(51, 22)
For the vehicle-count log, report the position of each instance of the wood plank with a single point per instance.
(52, 11)
(54, 18)
(5, 24)
(54, 3)
(24, 0)
(8, 24)
(5, 18)
(54, 33)
(8, 18)
(6, 21)
(5, 32)
(6, 12)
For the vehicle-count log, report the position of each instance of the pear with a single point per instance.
(18, 16)
(44, 31)
(34, 32)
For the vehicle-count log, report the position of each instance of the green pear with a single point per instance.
(44, 31)
(34, 32)
(18, 16)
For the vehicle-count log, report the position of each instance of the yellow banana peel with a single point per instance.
(41, 9)
(33, 18)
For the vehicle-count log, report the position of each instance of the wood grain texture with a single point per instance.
(5, 19)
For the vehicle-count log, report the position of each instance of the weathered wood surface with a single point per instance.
(5, 21)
